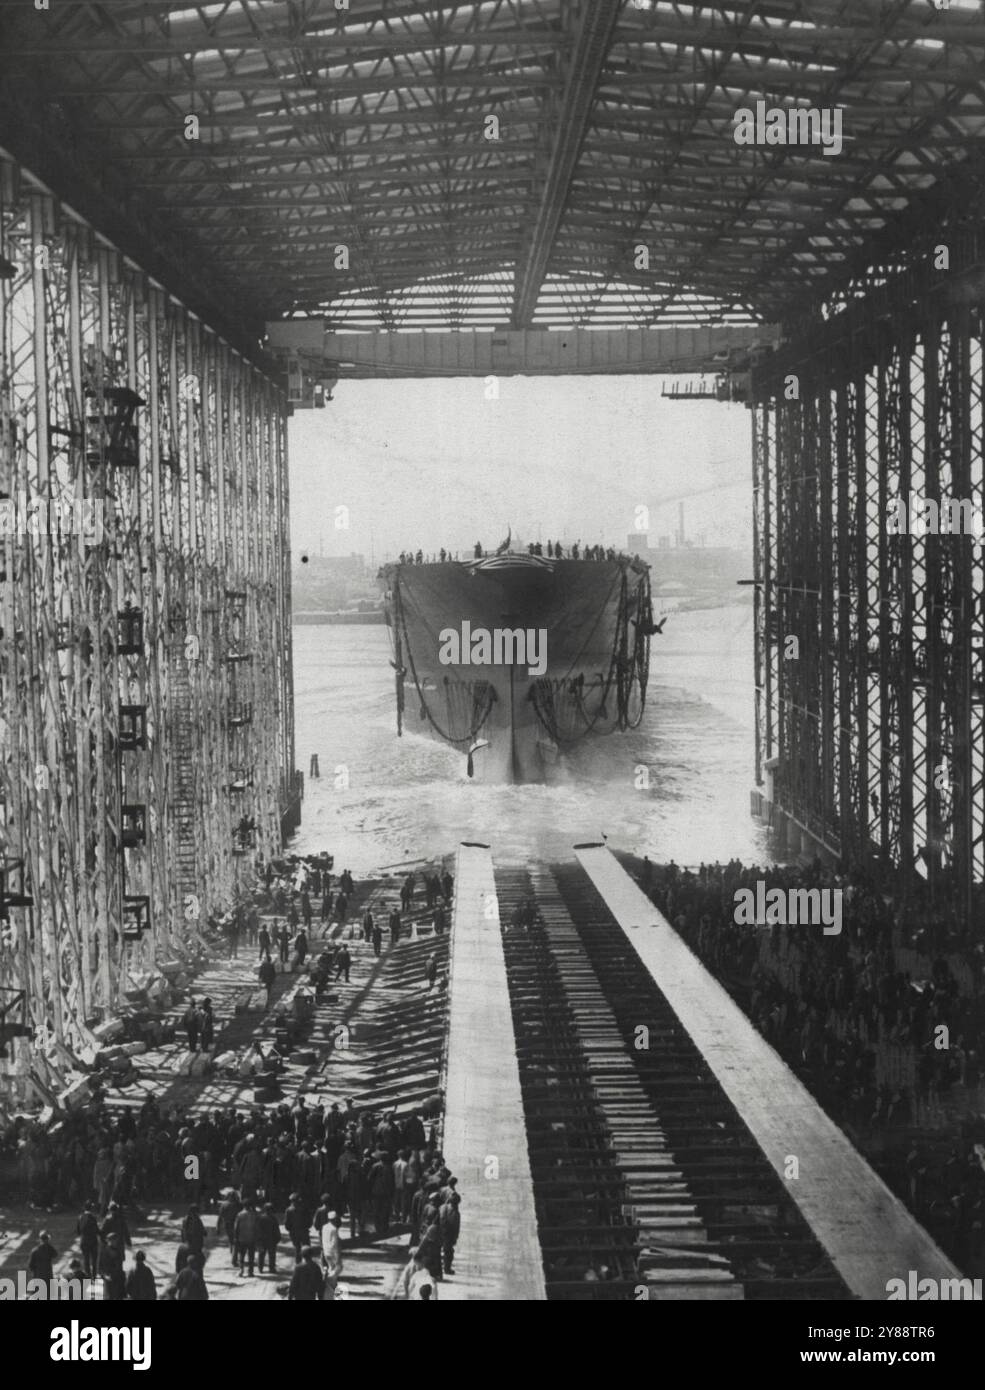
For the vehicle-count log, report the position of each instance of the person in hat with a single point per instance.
(297, 1224)
(141, 1286)
(111, 1269)
(116, 1224)
(245, 1231)
(449, 1227)
(268, 1238)
(226, 1221)
(207, 1035)
(191, 1022)
(75, 1279)
(87, 1227)
(189, 1286)
(193, 1231)
(267, 974)
(307, 1281)
(40, 1262)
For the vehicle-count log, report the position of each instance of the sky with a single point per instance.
(431, 463)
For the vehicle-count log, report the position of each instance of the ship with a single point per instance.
(514, 657)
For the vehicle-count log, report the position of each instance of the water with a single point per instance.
(409, 799)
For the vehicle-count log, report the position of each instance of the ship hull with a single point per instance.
(515, 659)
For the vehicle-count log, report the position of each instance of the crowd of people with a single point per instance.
(554, 550)
(845, 1015)
(277, 1181)
(275, 1178)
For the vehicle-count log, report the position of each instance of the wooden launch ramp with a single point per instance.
(867, 1233)
(485, 1141)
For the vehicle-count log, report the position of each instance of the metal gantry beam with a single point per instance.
(144, 666)
(617, 143)
(510, 353)
(593, 24)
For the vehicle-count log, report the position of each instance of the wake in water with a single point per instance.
(677, 787)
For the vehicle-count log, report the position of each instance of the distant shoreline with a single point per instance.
(318, 619)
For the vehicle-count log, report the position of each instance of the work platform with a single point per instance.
(485, 1140)
(866, 1231)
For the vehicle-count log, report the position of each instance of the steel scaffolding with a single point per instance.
(871, 722)
(145, 672)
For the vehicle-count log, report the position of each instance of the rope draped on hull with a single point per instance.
(466, 703)
(562, 705)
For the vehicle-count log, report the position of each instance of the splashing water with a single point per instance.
(677, 787)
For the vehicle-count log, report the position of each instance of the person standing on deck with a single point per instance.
(306, 910)
(307, 1281)
(226, 1222)
(351, 1185)
(343, 962)
(377, 938)
(245, 1231)
(193, 1232)
(341, 909)
(430, 1247)
(268, 1238)
(381, 1191)
(326, 910)
(449, 1227)
(267, 974)
(116, 1225)
(399, 1173)
(394, 921)
(40, 1262)
(266, 945)
(331, 1251)
(111, 1270)
(368, 925)
(189, 1286)
(296, 1224)
(283, 942)
(431, 969)
(87, 1227)
(141, 1286)
(191, 1022)
(412, 1181)
(207, 1025)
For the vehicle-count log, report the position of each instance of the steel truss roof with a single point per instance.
(367, 128)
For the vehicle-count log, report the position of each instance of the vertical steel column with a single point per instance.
(78, 327)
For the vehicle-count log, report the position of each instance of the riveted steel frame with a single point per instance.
(875, 711)
(196, 512)
(368, 127)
